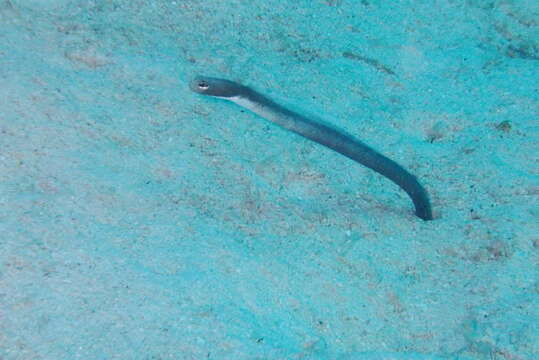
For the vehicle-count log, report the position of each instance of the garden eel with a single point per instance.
(319, 132)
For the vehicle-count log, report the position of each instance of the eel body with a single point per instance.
(319, 132)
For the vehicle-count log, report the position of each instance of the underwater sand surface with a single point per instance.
(139, 220)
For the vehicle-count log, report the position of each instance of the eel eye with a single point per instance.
(203, 85)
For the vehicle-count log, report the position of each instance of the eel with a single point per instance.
(319, 132)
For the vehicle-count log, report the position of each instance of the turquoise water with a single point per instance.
(143, 221)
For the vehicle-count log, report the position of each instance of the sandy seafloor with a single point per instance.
(139, 220)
